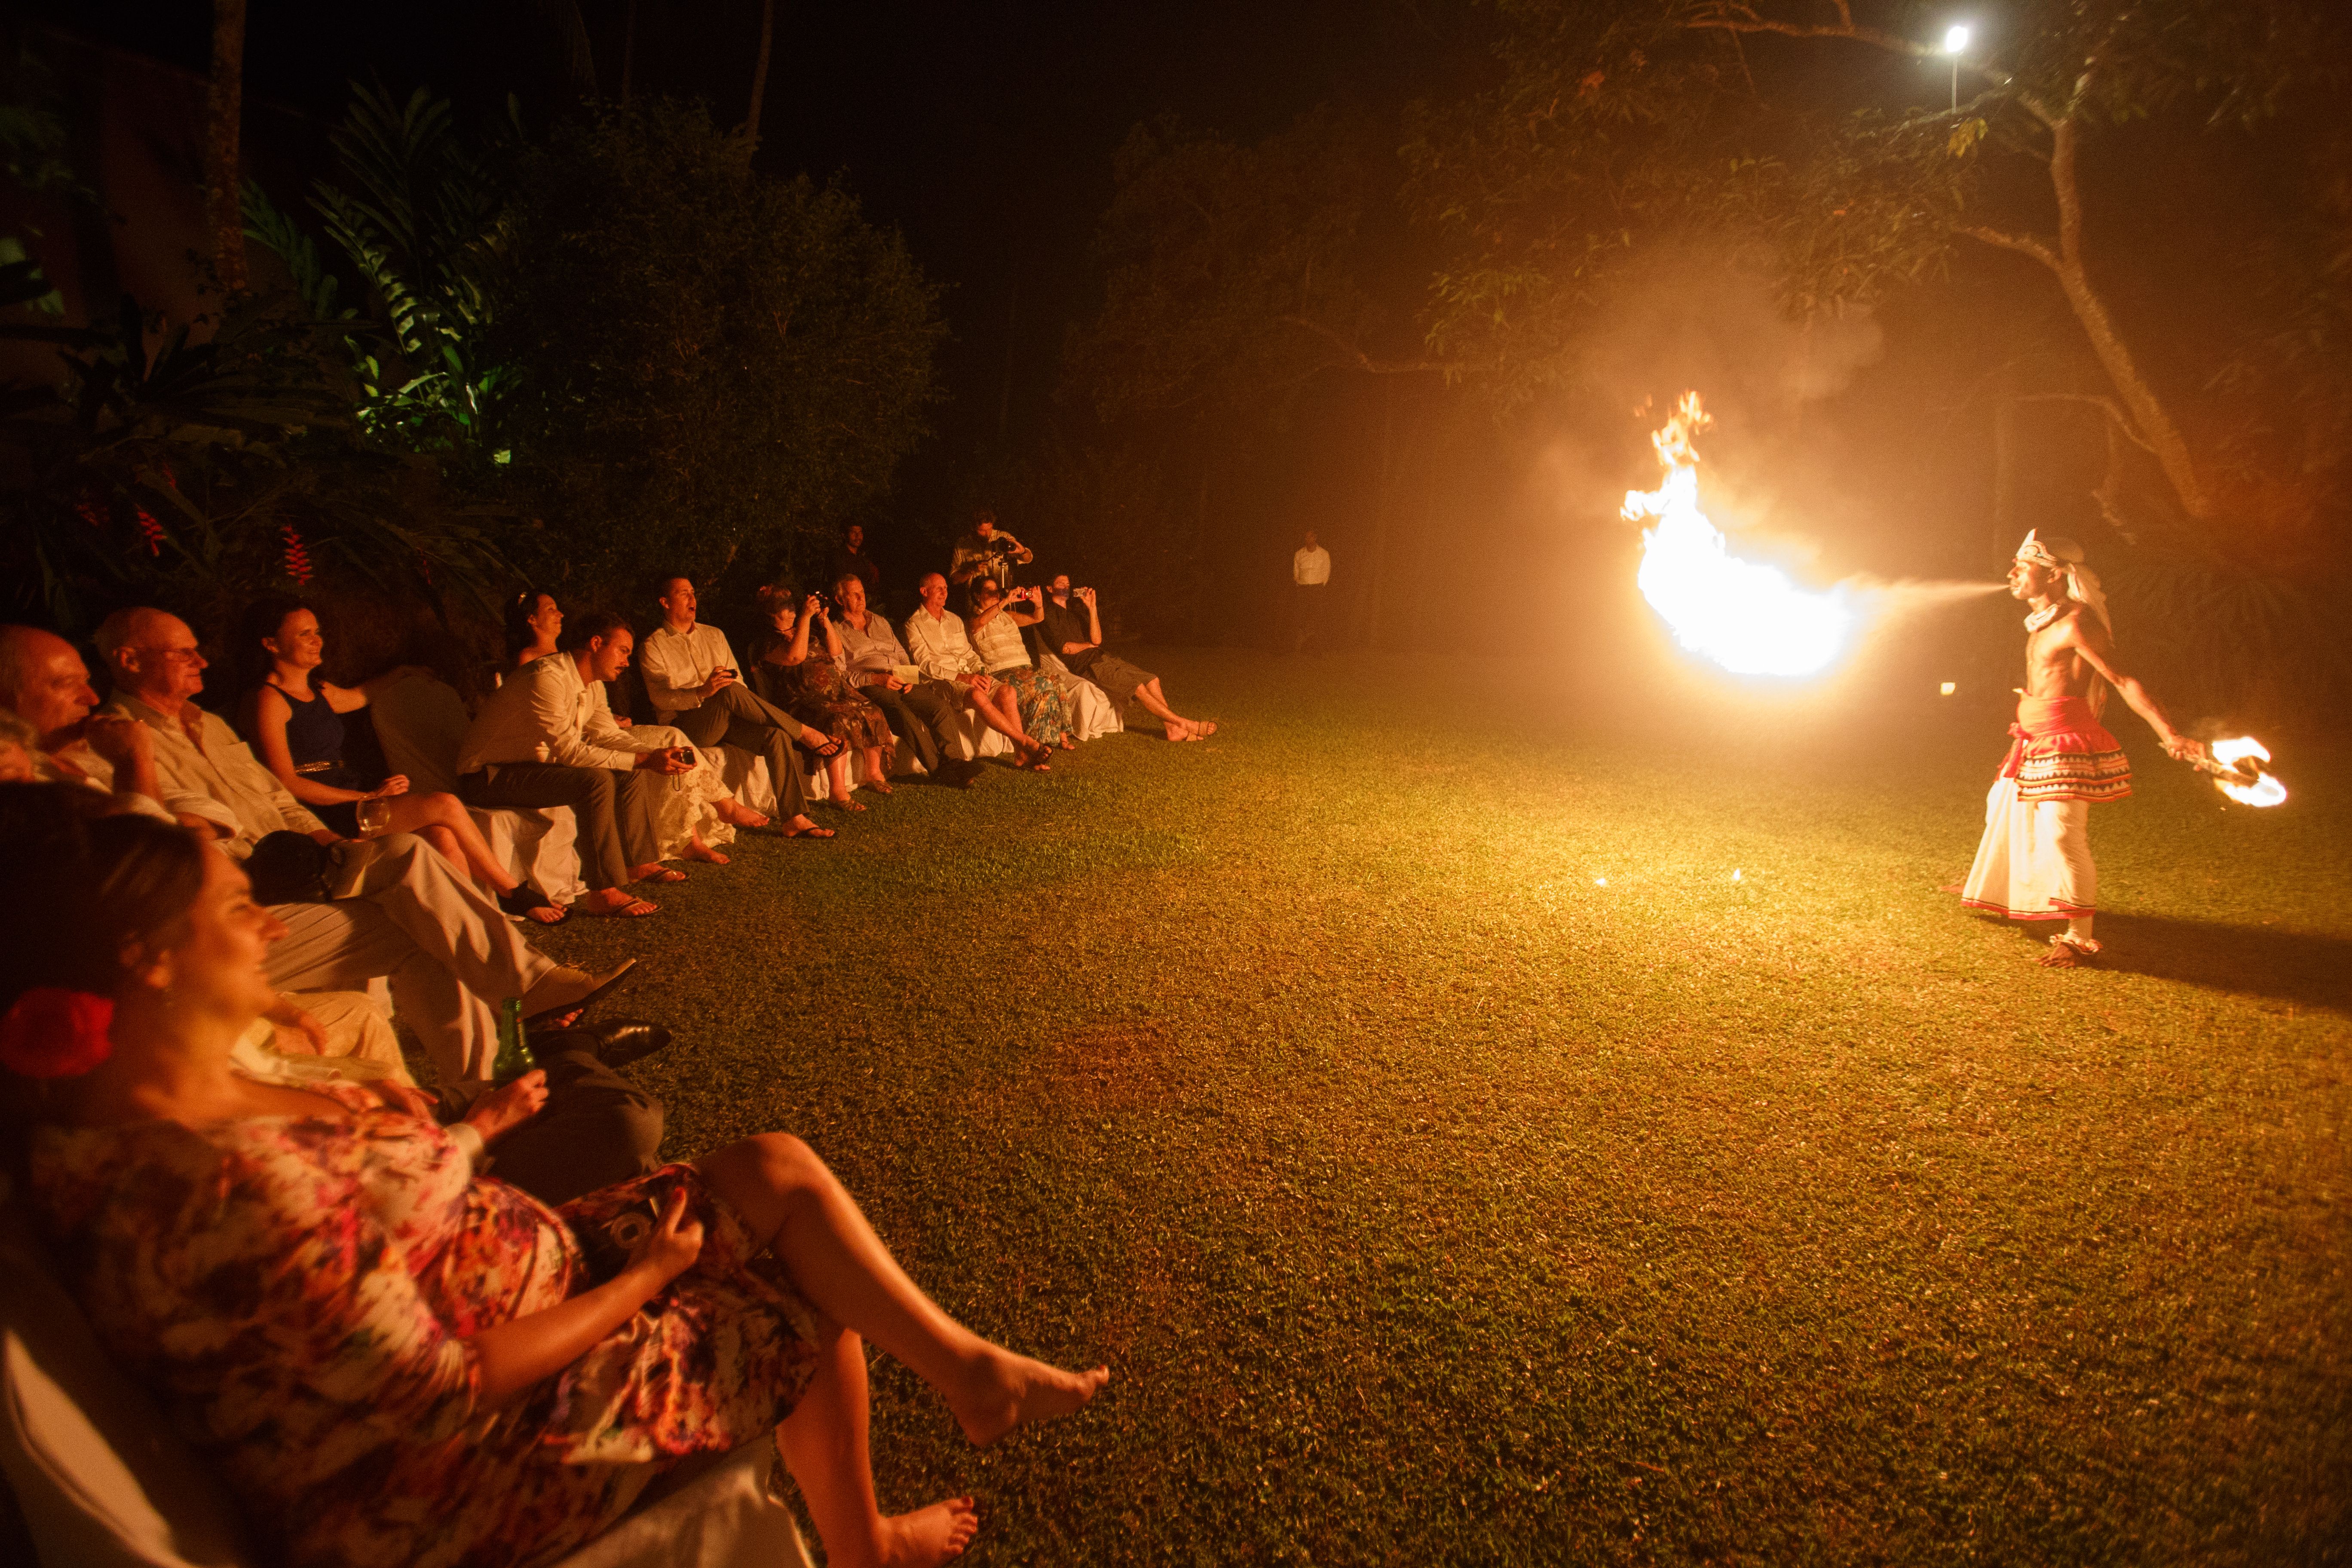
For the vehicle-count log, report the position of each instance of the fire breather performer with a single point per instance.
(2035, 861)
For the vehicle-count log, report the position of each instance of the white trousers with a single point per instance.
(2033, 862)
(448, 951)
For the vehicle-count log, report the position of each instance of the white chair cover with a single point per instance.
(1093, 715)
(421, 725)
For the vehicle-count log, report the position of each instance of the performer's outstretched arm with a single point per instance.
(2090, 640)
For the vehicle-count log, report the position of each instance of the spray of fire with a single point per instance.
(1745, 616)
(2237, 772)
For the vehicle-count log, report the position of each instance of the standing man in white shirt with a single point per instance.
(943, 653)
(698, 689)
(534, 744)
(1310, 578)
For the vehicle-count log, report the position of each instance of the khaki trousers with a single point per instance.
(449, 951)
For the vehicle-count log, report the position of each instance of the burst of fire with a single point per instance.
(2239, 777)
(1747, 616)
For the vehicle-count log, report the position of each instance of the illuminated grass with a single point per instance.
(1434, 1204)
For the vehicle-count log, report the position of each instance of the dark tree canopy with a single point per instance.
(1805, 135)
(708, 363)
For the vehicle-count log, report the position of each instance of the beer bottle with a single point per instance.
(514, 1057)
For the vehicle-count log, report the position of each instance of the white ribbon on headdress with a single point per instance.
(2082, 583)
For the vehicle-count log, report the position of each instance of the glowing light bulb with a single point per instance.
(1955, 38)
(1949, 687)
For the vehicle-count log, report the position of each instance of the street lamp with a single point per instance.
(1956, 39)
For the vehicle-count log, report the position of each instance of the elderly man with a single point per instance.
(697, 687)
(1071, 631)
(944, 654)
(874, 659)
(44, 682)
(449, 951)
(2033, 862)
(536, 742)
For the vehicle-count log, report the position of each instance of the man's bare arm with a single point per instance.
(2090, 640)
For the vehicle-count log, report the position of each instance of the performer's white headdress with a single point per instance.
(2065, 557)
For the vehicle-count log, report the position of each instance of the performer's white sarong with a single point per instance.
(2035, 861)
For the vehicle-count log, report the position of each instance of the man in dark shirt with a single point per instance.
(1072, 632)
(850, 560)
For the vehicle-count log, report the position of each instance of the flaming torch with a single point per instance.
(2237, 772)
(1745, 616)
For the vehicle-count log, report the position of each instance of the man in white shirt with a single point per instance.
(1310, 578)
(943, 653)
(541, 740)
(874, 658)
(698, 689)
(449, 951)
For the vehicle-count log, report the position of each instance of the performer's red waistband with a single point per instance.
(2061, 727)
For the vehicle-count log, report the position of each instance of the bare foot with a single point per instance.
(844, 804)
(1069, 744)
(877, 786)
(616, 902)
(735, 814)
(929, 1536)
(1178, 729)
(1203, 728)
(1005, 1391)
(696, 849)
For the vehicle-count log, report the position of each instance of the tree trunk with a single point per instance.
(1378, 578)
(224, 106)
(2157, 430)
(751, 131)
(628, 49)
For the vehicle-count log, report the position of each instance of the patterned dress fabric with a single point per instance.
(815, 693)
(298, 1292)
(2061, 752)
(1045, 705)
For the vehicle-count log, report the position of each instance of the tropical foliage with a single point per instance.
(423, 228)
(711, 365)
(194, 473)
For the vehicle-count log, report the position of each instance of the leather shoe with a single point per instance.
(620, 1041)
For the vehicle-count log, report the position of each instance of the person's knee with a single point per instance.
(441, 807)
(783, 1160)
(597, 787)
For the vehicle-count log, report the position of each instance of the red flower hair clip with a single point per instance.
(54, 1033)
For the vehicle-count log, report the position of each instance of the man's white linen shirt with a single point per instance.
(677, 664)
(546, 713)
(220, 781)
(873, 651)
(1311, 568)
(940, 647)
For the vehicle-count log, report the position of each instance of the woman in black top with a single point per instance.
(293, 719)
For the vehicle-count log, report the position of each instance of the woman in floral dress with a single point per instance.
(810, 683)
(390, 1359)
(995, 627)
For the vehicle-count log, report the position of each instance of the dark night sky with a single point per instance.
(985, 132)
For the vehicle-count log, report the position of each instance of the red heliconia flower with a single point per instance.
(91, 509)
(151, 531)
(54, 1033)
(298, 557)
(424, 566)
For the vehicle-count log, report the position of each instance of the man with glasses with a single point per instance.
(449, 951)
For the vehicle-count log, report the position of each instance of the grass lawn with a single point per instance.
(1436, 1202)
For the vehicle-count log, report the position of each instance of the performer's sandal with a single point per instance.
(2068, 951)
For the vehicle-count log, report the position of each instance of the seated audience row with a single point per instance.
(388, 1357)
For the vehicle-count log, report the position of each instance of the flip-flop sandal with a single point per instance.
(810, 832)
(635, 909)
(573, 1010)
(878, 788)
(526, 899)
(667, 874)
(844, 805)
